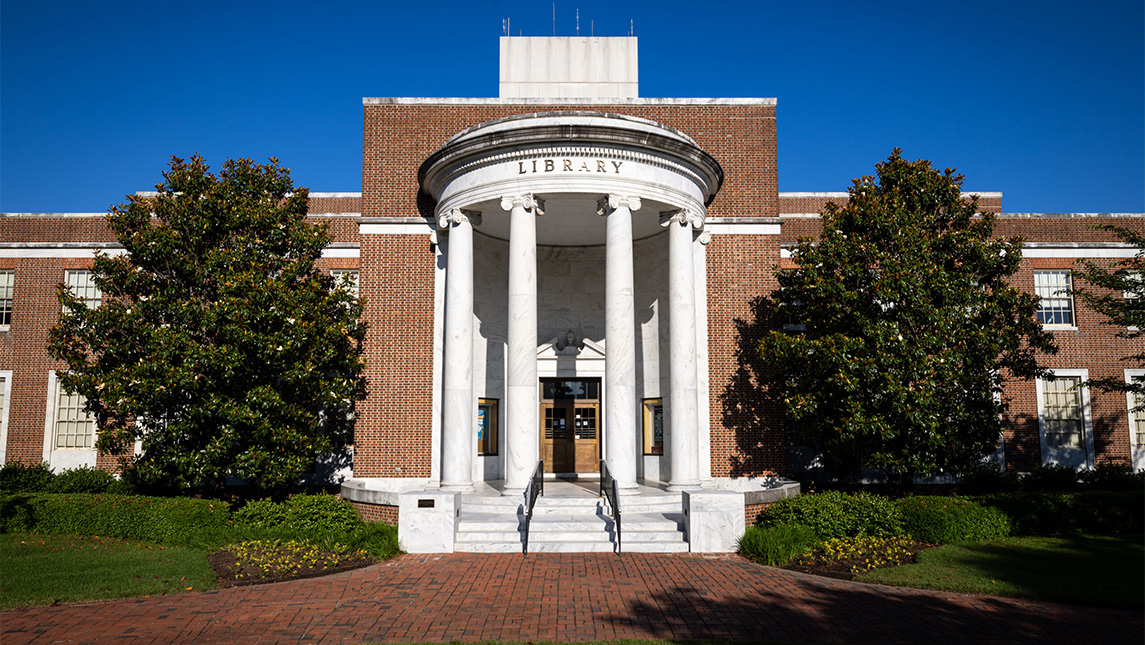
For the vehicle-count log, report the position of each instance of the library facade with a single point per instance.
(561, 279)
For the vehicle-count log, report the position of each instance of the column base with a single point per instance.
(462, 487)
(512, 492)
(684, 486)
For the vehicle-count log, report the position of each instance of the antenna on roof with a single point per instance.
(578, 21)
(630, 27)
(554, 19)
(591, 28)
(504, 29)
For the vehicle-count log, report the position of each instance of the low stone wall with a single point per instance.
(377, 512)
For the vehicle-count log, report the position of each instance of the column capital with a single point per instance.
(456, 216)
(528, 202)
(684, 217)
(609, 203)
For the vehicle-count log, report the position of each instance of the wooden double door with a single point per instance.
(570, 425)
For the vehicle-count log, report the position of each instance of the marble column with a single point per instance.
(458, 406)
(683, 446)
(521, 401)
(620, 341)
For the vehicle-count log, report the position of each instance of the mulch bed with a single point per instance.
(841, 569)
(231, 574)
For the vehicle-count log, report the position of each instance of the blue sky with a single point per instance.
(1044, 101)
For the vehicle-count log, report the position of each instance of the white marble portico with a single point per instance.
(576, 180)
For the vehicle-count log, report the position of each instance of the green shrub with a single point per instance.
(177, 521)
(82, 480)
(18, 477)
(776, 545)
(1089, 512)
(1051, 477)
(1115, 477)
(939, 520)
(262, 513)
(989, 478)
(834, 514)
(320, 513)
(377, 539)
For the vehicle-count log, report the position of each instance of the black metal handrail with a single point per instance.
(610, 490)
(535, 489)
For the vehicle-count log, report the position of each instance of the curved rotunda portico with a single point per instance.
(574, 180)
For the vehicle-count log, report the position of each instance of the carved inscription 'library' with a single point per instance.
(568, 165)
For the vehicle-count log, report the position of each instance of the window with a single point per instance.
(1061, 407)
(487, 426)
(1064, 419)
(7, 282)
(351, 275)
(74, 426)
(82, 285)
(1055, 290)
(5, 397)
(653, 426)
(1136, 404)
(1137, 282)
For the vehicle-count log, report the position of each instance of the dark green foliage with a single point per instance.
(1051, 478)
(156, 519)
(18, 477)
(82, 480)
(320, 513)
(989, 478)
(1092, 512)
(1114, 477)
(1104, 288)
(776, 545)
(910, 322)
(219, 339)
(833, 514)
(940, 520)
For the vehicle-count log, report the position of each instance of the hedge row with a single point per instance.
(17, 477)
(323, 520)
(933, 520)
(169, 520)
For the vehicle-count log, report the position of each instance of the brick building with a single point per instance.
(565, 273)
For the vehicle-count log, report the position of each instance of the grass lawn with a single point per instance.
(47, 569)
(1093, 571)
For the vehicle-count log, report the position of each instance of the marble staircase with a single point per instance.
(571, 518)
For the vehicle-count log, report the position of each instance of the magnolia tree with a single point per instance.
(1118, 293)
(904, 326)
(219, 341)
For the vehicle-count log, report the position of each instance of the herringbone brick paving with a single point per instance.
(569, 597)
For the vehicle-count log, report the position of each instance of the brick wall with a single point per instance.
(815, 203)
(747, 432)
(376, 512)
(398, 138)
(392, 437)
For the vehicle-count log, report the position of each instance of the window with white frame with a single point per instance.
(349, 274)
(1055, 290)
(82, 285)
(74, 427)
(1136, 404)
(1137, 282)
(1063, 414)
(1064, 420)
(5, 397)
(7, 285)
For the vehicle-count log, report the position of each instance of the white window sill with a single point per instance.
(1059, 327)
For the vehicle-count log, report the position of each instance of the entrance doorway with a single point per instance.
(570, 425)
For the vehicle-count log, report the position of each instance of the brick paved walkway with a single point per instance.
(569, 597)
